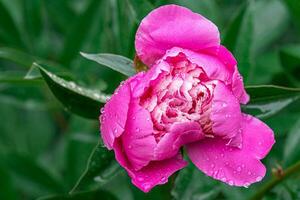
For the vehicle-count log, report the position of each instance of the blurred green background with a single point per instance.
(44, 149)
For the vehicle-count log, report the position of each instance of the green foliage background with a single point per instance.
(50, 95)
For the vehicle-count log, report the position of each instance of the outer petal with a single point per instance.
(138, 139)
(114, 115)
(155, 173)
(239, 167)
(179, 134)
(225, 112)
(173, 26)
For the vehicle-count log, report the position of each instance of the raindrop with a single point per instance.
(222, 154)
(163, 179)
(130, 147)
(146, 186)
(230, 183)
(239, 169)
(246, 184)
(140, 179)
(212, 165)
(148, 119)
(223, 179)
(259, 143)
(227, 115)
(258, 178)
(115, 130)
(102, 110)
(137, 130)
(249, 173)
(133, 118)
(224, 104)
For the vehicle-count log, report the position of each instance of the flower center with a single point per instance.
(181, 94)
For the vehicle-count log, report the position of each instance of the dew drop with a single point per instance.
(249, 173)
(102, 110)
(137, 130)
(258, 178)
(222, 154)
(246, 184)
(224, 179)
(140, 179)
(224, 105)
(239, 169)
(133, 118)
(148, 119)
(227, 115)
(130, 147)
(146, 187)
(115, 130)
(212, 165)
(163, 179)
(230, 183)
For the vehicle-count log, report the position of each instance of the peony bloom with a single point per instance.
(190, 97)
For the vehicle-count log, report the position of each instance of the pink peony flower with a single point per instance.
(190, 97)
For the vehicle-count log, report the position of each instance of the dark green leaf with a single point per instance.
(290, 61)
(7, 190)
(76, 99)
(79, 32)
(292, 145)
(101, 166)
(9, 32)
(192, 184)
(267, 100)
(33, 17)
(31, 175)
(90, 195)
(139, 9)
(116, 62)
(294, 7)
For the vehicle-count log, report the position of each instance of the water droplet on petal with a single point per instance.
(163, 179)
(239, 169)
(212, 165)
(224, 104)
(224, 179)
(140, 179)
(230, 183)
(222, 154)
(246, 184)
(115, 130)
(102, 110)
(137, 130)
(133, 118)
(130, 147)
(258, 178)
(146, 186)
(249, 173)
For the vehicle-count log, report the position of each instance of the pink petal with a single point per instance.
(239, 167)
(114, 115)
(138, 139)
(173, 26)
(179, 134)
(225, 112)
(155, 173)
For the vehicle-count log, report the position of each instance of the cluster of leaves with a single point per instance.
(47, 152)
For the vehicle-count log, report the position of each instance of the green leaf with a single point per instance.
(290, 61)
(139, 9)
(239, 39)
(78, 33)
(100, 167)
(76, 99)
(292, 145)
(60, 14)
(192, 184)
(116, 62)
(90, 195)
(16, 56)
(32, 11)
(294, 7)
(9, 32)
(31, 176)
(267, 100)
(7, 189)
(15, 77)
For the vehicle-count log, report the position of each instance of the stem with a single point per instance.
(274, 181)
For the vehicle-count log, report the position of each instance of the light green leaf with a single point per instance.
(267, 100)
(116, 62)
